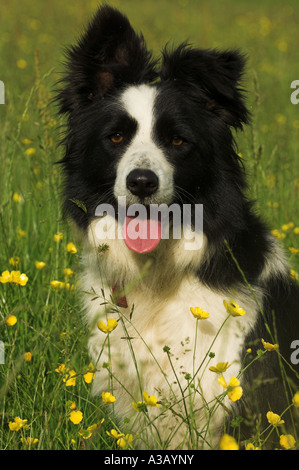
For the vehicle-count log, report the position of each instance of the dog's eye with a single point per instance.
(116, 138)
(177, 141)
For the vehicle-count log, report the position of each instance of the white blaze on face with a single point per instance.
(143, 152)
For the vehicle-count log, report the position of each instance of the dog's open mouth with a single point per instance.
(142, 234)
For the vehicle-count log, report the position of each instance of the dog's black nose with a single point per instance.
(142, 183)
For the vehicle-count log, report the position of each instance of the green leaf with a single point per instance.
(80, 204)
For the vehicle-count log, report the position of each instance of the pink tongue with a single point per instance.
(141, 236)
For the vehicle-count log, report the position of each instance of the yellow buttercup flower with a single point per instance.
(221, 380)
(76, 416)
(11, 320)
(108, 398)
(27, 356)
(228, 442)
(16, 197)
(125, 441)
(234, 390)
(111, 325)
(150, 400)
(21, 63)
(269, 346)
(30, 151)
(220, 367)
(40, 264)
(70, 378)
(19, 278)
(6, 277)
(17, 424)
(21, 233)
(85, 433)
(68, 286)
(280, 118)
(277, 234)
(296, 399)
(95, 427)
(14, 261)
(287, 227)
(26, 141)
(57, 237)
(199, 313)
(71, 248)
(139, 405)
(250, 446)
(29, 441)
(60, 369)
(275, 205)
(113, 433)
(89, 376)
(14, 277)
(274, 419)
(233, 309)
(68, 272)
(122, 440)
(287, 441)
(56, 284)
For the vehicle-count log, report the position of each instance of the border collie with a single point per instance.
(159, 133)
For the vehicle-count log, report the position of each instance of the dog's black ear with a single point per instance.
(217, 74)
(108, 55)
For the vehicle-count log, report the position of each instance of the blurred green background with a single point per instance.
(266, 31)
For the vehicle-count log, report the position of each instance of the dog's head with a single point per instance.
(147, 131)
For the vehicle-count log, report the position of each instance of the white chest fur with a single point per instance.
(160, 289)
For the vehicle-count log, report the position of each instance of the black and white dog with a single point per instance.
(147, 133)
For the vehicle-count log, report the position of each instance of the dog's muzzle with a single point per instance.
(142, 183)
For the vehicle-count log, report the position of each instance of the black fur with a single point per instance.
(199, 98)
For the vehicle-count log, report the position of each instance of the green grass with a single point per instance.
(49, 322)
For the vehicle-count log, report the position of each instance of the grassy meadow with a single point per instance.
(46, 375)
